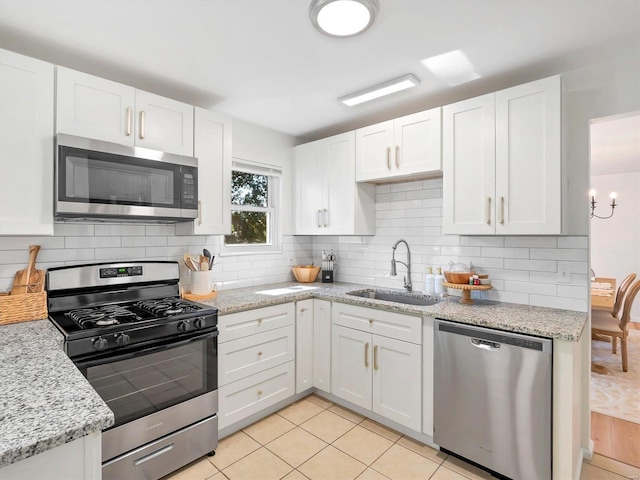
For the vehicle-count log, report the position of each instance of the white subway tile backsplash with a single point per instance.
(573, 254)
(91, 242)
(573, 242)
(111, 254)
(160, 230)
(571, 291)
(73, 229)
(530, 287)
(532, 265)
(144, 241)
(20, 243)
(66, 255)
(120, 230)
(482, 241)
(541, 242)
(503, 252)
(558, 302)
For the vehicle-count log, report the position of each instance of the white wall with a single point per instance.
(615, 242)
(523, 269)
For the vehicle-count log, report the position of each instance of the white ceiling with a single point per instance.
(263, 62)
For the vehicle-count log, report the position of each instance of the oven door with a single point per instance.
(157, 390)
(100, 179)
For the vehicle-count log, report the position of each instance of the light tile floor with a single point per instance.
(317, 440)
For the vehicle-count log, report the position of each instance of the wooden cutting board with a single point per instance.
(29, 280)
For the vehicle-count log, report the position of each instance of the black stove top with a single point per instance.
(122, 305)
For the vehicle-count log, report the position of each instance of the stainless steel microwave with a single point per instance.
(106, 181)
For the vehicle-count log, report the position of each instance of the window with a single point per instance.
(255, 193)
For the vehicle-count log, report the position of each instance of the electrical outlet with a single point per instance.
(564, 273)
(291, 262)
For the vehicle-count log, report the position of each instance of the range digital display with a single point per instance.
(121, 272)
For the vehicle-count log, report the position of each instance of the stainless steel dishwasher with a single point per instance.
(493, 399)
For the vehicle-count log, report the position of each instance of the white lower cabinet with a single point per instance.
(304, 345)
(256, 355)
(243, 398)
(322, 345)
(375, 371)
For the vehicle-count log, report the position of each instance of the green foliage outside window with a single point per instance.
(249, 226)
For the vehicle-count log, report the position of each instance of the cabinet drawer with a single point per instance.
(242, 324)
(243, 398)
(379, 322)
(249, 355)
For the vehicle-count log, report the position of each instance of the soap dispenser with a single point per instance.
(429, 282)
(438, 282)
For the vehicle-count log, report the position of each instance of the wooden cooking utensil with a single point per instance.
(23, 277)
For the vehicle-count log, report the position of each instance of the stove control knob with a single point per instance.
(199, 322)
(100, 343)
(184, 327)
(123, 339)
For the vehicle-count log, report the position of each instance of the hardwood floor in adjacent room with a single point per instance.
(616, 438)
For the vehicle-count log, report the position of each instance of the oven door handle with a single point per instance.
(110, 358)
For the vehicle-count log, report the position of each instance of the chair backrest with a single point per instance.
(622, 290)
(628, 303)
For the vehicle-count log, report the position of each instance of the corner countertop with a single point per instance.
(539, 321)
(44, 399)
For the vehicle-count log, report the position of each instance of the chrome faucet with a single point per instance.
(407, 279)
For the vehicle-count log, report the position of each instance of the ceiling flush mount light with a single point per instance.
(342, 18)
(377, 91)
(613, 205)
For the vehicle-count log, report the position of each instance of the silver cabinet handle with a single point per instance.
(199, 212)
(375, 357)
(366, 355)
(318, 215)
(488, 210)
(128, 132)
(388, 158)
(302, 310)
(502, 210)
(325, 217)
(398, 156)
(153, 455)
(141, 125)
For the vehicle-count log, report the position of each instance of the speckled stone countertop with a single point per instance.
(44, 399)
(539, 321)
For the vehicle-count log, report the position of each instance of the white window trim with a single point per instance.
(274, 207)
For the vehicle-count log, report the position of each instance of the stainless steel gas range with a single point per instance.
(149, 354)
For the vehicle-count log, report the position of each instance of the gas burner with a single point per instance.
(102, 316)
(166, 307)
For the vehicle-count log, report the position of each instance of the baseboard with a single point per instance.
(587, 452)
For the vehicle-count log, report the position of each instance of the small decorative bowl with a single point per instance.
(458, 277)
(305, 273)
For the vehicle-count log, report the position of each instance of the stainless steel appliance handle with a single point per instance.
(111, 357)
(153, 455)
(485, 344)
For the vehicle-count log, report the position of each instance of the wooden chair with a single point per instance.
(603, 323)
(620, 293)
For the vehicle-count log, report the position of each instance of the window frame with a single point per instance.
(274, 195)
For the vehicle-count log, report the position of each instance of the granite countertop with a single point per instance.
(539, 321)
(44, 399)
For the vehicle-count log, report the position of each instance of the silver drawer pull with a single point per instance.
(153, 455)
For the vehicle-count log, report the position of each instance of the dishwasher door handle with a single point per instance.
(485, 344)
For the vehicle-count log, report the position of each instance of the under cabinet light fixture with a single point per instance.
(342, 18)
(377, 91)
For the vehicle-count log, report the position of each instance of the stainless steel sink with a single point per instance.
(409, 299)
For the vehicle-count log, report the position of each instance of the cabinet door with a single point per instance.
(417, 143)
(163, 124)
(212, 147)
(322, 345)
(92, 107)
(351, 353)
(339, 210)
(308, 189)
(528, 163)
(304, 345)
(26, 145)
(468, 164)
(397, 381)
(374, 156)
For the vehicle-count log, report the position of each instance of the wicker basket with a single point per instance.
(23, 308)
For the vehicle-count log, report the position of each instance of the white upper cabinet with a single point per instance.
(327, 199)
(93, 107)
(408, 146)
(212, 147)
(502, 162)
(26, 145)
